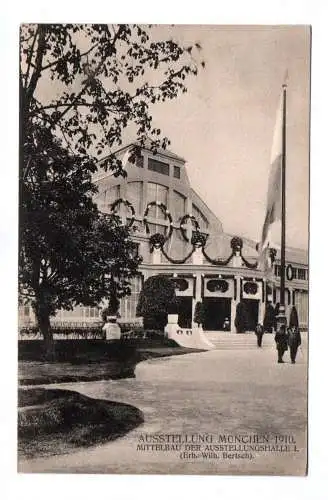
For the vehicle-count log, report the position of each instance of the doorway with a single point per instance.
(252, 308)
(184, 312)
(216, 310)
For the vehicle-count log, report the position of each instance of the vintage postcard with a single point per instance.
(163, 249)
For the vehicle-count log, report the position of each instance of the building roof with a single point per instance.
(160, 151)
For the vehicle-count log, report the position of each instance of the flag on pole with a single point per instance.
(273, 210)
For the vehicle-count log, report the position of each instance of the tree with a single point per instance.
(89, 83)
(199, 316)
(293, 318)
(70, 253)
(81, 87)
(269, 317)
(157, 299)
(241, 320)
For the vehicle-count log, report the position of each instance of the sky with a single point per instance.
(223, 127)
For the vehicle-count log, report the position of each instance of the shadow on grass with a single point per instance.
(88, 361)
(55, 421)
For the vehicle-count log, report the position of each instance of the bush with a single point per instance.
(241, 321)
(269, 318)
(199, 316)
(157, 299)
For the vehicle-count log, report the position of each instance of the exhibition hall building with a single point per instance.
(178, 236)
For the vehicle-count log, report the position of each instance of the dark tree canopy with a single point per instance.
(157, 299)
(242, 318)
(70, 253)
(269, 317)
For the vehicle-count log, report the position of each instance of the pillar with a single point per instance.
(234, 302)
(197, 298)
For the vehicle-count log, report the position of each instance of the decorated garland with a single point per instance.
(216, 262)
(289, 272)
(127, 204)
(177, 261)
(249, 264)
(198, 239)
(183, 228)
(165, 212)
(156, 240)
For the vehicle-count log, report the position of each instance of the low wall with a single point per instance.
(192, 338)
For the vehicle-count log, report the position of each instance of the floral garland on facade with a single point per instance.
(183, 228)
(167, 214)
(177, 261)
(127, 204)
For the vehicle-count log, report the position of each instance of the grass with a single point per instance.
(81, 361)
(52, 422)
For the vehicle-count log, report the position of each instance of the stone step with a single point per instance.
(230, 341)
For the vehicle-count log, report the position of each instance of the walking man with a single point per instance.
(259, 330)
(281, 340)
(294, 341)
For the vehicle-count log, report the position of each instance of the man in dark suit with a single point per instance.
(259, 330)
(294, 341)
(281, 340)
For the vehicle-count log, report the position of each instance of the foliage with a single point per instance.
(241, 320)
(269, 317)
(157, 299)
(100, 83)
(293, 318)
(199, 316)
(70, 253)
(81, 88)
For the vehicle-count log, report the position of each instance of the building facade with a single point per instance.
(178, 236)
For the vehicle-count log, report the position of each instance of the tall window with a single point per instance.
(112, 194)
(156, 192)
(134, 195)
(158, 166)
(301, 274)
(178, 205)
(201, 219)
(176, 172)
(128, 305)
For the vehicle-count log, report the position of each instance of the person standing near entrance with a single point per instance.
(259, 330)
(294, 341)
(281, 340)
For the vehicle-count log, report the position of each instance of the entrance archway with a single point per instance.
(216, 310)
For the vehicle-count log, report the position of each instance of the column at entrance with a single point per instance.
(234, 302)
(197, 297)
(262, 303)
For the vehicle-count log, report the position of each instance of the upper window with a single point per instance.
(112, 194)
(176, 172)
(201, 219)
(158, 166)
(134, 195)
(178, 205)
(156, 192)
(301, 274)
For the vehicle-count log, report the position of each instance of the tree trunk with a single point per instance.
(43, 319)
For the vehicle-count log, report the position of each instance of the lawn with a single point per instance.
(53, 422)
(82, 361)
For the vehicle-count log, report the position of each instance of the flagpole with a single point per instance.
(282, 320)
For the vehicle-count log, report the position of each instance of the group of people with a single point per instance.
(285, 338)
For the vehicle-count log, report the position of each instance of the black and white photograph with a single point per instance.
(163, 268)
